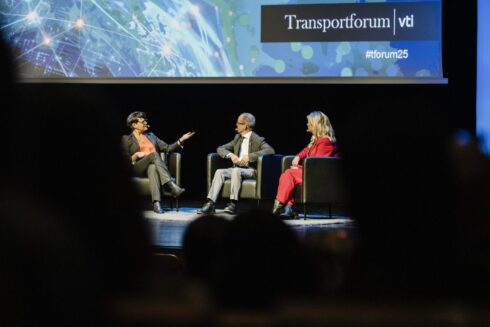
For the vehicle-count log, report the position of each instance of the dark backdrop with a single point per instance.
(211, 110)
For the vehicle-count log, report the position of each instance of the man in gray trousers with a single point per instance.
(244, 151)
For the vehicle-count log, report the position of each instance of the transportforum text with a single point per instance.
(351, 21)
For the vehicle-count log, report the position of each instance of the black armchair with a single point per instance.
(263, 187)
(323, 182)
(174, 163)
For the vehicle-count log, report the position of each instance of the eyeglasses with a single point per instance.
(144, 122)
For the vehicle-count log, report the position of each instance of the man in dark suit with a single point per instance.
(244, 151)
(142, 148)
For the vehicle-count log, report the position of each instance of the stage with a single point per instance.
(168, 228)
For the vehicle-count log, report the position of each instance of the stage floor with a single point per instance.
(168, 228)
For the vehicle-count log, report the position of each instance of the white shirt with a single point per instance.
(245, 143)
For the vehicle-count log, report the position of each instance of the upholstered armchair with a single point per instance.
(173, 161)
(264, 186)
(323, 182)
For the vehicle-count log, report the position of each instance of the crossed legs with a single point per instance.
(153, 167)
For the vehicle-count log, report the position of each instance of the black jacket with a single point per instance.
(130, 144)
(256, 147)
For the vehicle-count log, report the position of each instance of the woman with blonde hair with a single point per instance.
(322, 144)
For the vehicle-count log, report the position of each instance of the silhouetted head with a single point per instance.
(68, 155)
(47, 277)
(263, 261)
(397, 166)
(203, 246)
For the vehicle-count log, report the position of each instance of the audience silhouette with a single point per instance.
(263, 261)
(73, 239)
(72, 227)
(405, 197)
(203, 247)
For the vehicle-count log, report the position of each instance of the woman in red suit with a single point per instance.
(322, 144)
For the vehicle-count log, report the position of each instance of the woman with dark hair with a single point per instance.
(143, 148)
(322, 144)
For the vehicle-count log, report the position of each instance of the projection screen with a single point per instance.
(225, 40)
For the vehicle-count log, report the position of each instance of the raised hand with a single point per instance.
(186, 136)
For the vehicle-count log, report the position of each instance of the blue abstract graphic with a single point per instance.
(182, 38)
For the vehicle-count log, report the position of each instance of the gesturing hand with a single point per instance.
(234, 158)
(186, 136)
(243, 161)
(295, 162)
(138, 155)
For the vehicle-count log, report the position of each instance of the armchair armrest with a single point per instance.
(323, 180)
(268, 173)
(215, 162)
(286, 162)
(174, 163)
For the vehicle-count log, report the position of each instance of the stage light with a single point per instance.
(32, 16)
(166, 50)
(47, 40)
(80, 23)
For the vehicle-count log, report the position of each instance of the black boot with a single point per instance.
(289, 212)
(175, 189)
(278, 207)
(157, 207)
(207, 208)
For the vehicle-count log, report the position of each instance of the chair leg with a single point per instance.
(177, 204)
(330, 211)
(258, 203)
(304, 211)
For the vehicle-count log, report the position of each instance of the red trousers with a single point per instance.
(288, 180)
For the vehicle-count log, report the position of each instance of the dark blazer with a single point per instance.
(130, 144)
(256, 147)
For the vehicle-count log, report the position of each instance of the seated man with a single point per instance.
(244, 151)
(142, 148)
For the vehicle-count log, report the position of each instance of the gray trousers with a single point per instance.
(235, 174)
(155, 168)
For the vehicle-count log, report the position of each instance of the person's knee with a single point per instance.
(286, 175)
(236, 173)
(153, 156)
(219, 174)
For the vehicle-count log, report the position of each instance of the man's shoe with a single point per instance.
(207, 208)
(289, 212)
(278, 207)
(157, 207)
(175, 189)
(230, 208)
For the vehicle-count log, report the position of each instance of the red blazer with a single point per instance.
(322, 147)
